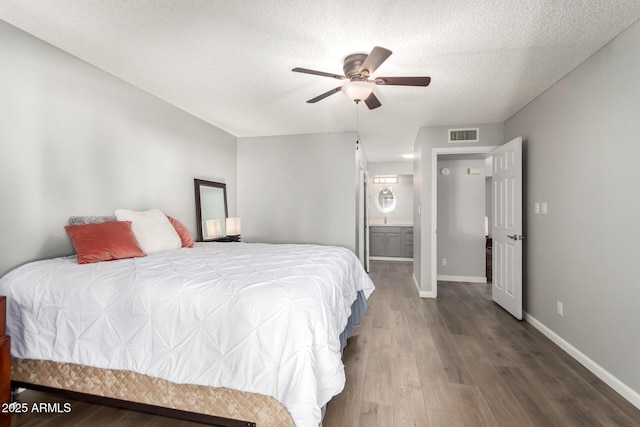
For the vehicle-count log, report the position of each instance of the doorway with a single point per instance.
(435, 154)
(464, 203)
(507, 221)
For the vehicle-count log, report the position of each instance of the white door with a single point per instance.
(362, 218)
(365, 199)
(507, 226)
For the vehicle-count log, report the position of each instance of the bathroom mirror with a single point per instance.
(211, 209)
(385, 200)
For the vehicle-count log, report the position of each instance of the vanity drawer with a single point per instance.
(407, 242)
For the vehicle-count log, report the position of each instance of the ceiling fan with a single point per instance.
(358, 69)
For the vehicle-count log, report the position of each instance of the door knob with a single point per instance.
(516, 237)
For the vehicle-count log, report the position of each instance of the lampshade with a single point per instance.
(214, 228)
(357, 90)
(233, 226)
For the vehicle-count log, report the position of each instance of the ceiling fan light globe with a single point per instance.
(357, 90)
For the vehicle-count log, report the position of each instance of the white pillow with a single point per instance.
(152, 229)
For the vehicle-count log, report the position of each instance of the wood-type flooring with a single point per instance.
(458, 360)
(461, 360)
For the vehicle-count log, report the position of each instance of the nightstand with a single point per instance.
(5, 364)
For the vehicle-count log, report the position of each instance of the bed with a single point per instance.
(236, 330)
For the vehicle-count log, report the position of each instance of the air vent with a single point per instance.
(464, 135)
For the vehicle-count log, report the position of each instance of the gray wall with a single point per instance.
(299, 188)
(418, 194)
(403, 190)
(582, 154)
(429, 138)
(77, 141)
(461, 212)
(391, 168)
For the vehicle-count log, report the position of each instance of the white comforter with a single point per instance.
(252, 317)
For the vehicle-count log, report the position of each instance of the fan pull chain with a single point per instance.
(357, 120)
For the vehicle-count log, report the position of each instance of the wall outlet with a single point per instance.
(559, 308)
(444, 261)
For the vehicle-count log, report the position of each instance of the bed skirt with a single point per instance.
(265, 411)
(358, 309)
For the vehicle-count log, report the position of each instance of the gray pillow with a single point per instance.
(80, 220)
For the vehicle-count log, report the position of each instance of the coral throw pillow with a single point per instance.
(185, 236)
(104, 242)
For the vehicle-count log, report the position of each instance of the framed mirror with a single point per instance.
(385, 200)
(211, 209)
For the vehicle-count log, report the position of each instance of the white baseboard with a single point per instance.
(415, 281)
(423, 294)
(468, 279)
(613, 382)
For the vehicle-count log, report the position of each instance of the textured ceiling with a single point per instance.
(229, 62)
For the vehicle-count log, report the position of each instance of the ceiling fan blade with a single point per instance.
(324, 95)
(377, 56)
(318, 73)
(372, 101)
(403, 81)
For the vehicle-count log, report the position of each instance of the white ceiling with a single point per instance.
(229, 62)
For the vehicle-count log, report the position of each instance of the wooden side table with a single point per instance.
(5, 366)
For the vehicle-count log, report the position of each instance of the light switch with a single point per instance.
(536, 208)
(543, 208)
